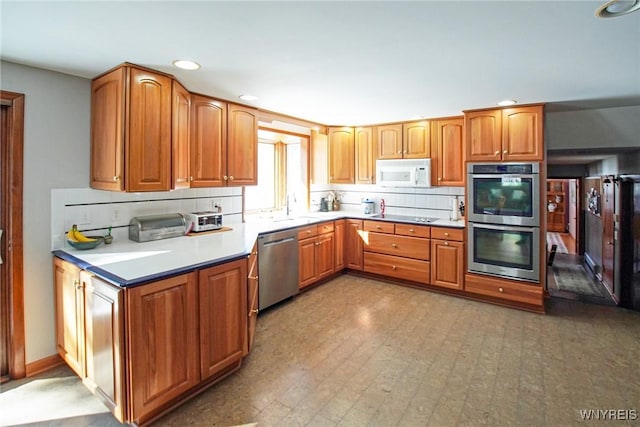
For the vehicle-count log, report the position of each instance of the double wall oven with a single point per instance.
(503, 212)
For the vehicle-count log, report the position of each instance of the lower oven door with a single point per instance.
(505, 251)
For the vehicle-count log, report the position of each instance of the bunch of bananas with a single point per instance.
(76, 236)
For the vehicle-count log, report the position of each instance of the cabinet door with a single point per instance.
(353, 244)
(242, 145)
(307, 262)
(365, 156)
(339, 234)
(325, 254)
(522, 136)
(416, 141)
(208, 142)
(223, 316)
(341, 156)
(252, 297)
(148, 139)
(180, 136)
(69, 300)
(319, 158)
(447, 263)
(104, 324)
(390, 142)
(162, 326)
(107, 131)
(449, 153)
(484, 135)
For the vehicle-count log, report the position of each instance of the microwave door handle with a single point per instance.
(504, 227)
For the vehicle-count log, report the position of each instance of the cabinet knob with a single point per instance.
(446, 243)
(393, 267)
(308, 231)
(500, 290)
(378, 227)
(252, 277)
(254, 311)
(393, 245)
(497, 152)
(406, 152)
(439, 178)
(190, 178)
(317, 243)
(411, 230)
(504, 152)
(231, 178)
(400, 152)
(116, 178)
(370, 178)
(225, 177)
(446, 234)
(77, 284)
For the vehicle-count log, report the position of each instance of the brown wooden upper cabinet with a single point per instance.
(404, 140)
(180, 132)
(447, 163)
(131, 130)
(509, 134)
(365, 155)
(224, 144)
(341, 155)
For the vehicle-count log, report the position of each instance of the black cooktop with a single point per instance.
(406, 218)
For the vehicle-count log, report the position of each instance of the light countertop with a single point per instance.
(128, 263)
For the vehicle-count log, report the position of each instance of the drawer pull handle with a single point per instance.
(308, 231)
(500, 290)
(446, 243)
(393, 245)
(411, 230)
(393, 267)
(378, 227)
(446, 234)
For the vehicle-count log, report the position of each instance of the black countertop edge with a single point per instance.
(123, 283)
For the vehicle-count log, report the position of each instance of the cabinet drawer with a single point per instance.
(413, 230)
(379, 226)
(447, 233)
(400, 268)
(410, 247)
(325, 227)
(308, 231)
(503, 289)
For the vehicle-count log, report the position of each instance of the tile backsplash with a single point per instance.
(433, 202)
(95, 210)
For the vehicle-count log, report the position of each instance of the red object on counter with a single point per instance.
(382, 206)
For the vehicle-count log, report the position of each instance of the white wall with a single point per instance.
(56, 154)
(594, 128)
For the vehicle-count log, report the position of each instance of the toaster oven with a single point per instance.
(205, 221)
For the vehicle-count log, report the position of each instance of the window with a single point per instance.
(279, 175)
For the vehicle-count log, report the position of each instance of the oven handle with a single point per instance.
(504, 227)
(499, 175)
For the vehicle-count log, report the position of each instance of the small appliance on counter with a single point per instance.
(156, 227)
(368, 206)
(204, 221)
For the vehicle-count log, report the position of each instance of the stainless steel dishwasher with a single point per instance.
(277, 267)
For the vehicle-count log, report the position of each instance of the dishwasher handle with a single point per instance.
(279, 241)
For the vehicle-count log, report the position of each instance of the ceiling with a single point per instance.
(345, 62)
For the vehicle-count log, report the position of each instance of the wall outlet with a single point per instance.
(85, 216)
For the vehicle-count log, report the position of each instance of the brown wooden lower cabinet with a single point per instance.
(223, 316)
(353, 244)
(181, 333)
(104, 338)
(447, 263)
(398, 267)
(252, 297)
(316, 253)
(339, 234)
(163, 343)
(504, 289)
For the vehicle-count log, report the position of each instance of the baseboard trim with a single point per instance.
(42, 365)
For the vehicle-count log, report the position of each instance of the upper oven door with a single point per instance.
(512, 199)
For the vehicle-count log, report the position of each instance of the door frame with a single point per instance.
(12, 239)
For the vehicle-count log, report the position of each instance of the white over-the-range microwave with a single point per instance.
(403, 173)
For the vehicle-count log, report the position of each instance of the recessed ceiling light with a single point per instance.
(615, 8)
(186, 64)
(248, 97)
(506, 102)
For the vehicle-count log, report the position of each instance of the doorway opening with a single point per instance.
(568, 271)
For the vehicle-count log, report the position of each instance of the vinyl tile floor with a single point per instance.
(359, 352)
